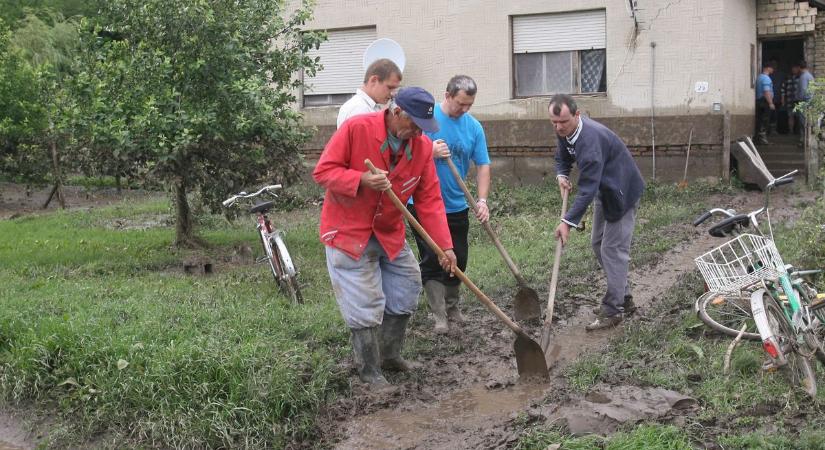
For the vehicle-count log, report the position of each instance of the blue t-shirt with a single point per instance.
(763, 83)
(465, 138)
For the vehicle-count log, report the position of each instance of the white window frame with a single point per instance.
(562, 32)
(344, 69)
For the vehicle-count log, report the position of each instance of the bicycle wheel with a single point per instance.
(809, 295)
(798, 367)
(726, 314)
(289, 280)
(272, 259)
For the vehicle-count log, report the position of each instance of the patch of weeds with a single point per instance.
(653, 437)
(585, 372)
(807, 440)
(646, 436)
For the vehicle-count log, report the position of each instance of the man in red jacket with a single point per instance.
(374, 273)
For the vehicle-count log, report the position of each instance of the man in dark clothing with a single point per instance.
(609, 178)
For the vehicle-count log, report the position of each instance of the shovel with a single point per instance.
(529, 356)
(554, 279)
(526, 304)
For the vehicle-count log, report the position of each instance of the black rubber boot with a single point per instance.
(393, 330)
(367, 356)
(435, 298)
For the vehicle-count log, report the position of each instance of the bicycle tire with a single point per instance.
(806, 293)
(726, 316)
(289, 281)
(272, 260)
(798, 368)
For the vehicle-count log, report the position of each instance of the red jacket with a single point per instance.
(351, 214)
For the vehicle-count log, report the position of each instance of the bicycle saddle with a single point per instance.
(725, 227)
(261, 207)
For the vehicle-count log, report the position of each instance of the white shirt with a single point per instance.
(360, 103)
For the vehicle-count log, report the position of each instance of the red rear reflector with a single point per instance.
(771, 349)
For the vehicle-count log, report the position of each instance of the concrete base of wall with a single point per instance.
(522, 150)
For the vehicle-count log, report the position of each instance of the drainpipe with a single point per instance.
(653, 103)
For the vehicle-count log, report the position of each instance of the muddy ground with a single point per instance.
(467, 394)
(18, 200)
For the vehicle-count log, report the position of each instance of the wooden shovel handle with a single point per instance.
(554, 279)
(458, 273)
(486, 225)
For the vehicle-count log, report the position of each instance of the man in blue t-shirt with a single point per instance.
(461, 138)
(764, 103)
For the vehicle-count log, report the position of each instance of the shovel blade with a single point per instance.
(529, 358)
(526, 304)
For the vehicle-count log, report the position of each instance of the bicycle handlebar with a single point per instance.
(228, 202)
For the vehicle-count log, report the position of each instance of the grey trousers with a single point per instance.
(611, 245)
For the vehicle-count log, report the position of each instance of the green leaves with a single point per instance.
(200, 91)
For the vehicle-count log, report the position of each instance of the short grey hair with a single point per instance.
(460, 83)
(391, 105)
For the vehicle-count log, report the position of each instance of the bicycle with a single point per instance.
(749, 283)
(275, 251)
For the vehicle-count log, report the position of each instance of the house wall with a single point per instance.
(696, 40)
(782, 17)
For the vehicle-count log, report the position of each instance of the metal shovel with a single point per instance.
(529, 356)
(526, 304)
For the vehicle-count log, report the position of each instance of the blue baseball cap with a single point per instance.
(419, 104)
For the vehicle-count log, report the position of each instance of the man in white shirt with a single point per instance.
(382, 78)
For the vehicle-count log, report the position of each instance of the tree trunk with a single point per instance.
(58, 177)
(184, 232)
(117, 183)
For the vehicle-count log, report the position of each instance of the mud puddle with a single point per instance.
(459, 412)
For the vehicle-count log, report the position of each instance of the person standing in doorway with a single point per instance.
(461, 138)
(764, 103)
(381, 80)
(803, 95)
(608, 178)
(789, 98)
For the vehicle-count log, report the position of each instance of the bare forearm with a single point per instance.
(483, 180)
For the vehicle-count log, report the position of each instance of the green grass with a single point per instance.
(101, 327)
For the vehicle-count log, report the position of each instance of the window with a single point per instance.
(342, 57)
(559, 53)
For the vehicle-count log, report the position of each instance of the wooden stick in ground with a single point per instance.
(554, 279)
(728, 354)
(440, 253)
(687, 156)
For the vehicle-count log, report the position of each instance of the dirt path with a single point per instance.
(460, 399)
(17, 199)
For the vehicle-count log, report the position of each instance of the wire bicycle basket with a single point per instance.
(740, 262)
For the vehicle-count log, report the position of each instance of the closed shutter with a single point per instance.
(342, 58)
(580, 30)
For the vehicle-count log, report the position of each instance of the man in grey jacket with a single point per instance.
(609, 178)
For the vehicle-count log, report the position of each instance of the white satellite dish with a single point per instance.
(385, 48)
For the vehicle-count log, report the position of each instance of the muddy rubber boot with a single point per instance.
(452, 295)
(629, 306)
(365, 352)
(435, 298)
(393, 330)
(605, 322)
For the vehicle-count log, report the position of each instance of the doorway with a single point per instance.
(784, 53)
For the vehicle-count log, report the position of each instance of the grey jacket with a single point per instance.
(606, 169)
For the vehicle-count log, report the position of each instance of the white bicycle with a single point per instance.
(272, 240)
